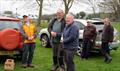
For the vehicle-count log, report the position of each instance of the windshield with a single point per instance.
(98, 25)
(9, 24)
(79, 25)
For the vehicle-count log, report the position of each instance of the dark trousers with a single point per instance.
(28, 51)
(87, 45)
(105, 50)
(58, 55)
(69, 56)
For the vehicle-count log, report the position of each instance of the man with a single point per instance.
(70, 41)
(55, 29)
(107, 37)
(89, 36)
(29, 34)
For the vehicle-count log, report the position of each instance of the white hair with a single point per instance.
(60, 10)
(70, 15)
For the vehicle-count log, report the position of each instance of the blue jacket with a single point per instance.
(71, 37)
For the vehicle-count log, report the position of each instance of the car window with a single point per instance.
(79, 25)
(9, 24)
(98, 23)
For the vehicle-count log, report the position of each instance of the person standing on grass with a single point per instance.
(55, 29)
(70, 42)
(107, 37)
(89, 36)
(29, 34)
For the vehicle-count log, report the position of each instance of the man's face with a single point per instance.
(89, 23)
(60, 15)
(25, 19)
(106, 21)
(69, 20)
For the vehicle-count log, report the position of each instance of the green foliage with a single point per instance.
(117, 25)
(44, 24)
(8, 12)
(81, 15)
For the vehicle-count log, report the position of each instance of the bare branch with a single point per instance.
(70, 5)
(38, 2)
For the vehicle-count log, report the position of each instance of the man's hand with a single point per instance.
(91, 40)
(53, 34)
(31, 38)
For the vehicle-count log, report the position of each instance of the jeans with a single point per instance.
(69, 56)
(28, 51)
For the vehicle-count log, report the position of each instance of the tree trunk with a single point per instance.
(94, 11)
(68, 4)
(118, 11)
(66, 10)
(40, 12)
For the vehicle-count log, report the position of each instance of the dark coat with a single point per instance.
(50, 26)
(89, 32)
(108, 33)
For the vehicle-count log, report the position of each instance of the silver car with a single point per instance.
(45, 36)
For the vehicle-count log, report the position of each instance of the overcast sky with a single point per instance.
(31, 7)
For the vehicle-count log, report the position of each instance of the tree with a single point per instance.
(111, 6)
(82, 14)
(77, 16)
(67, 4)
(8, 12)
(91, 3)
(40, 3)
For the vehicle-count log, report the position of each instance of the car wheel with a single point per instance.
(79, 50)
(44, 40)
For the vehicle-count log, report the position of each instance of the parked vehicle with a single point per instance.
(45, 36)
(10, 36)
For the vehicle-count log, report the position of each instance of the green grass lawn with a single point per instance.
(43, 61)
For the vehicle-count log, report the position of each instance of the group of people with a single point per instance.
(64, 35)
(89, 36)
(64, 41)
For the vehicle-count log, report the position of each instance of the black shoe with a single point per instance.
(109, 60)
(30, 65)
(105, 60)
